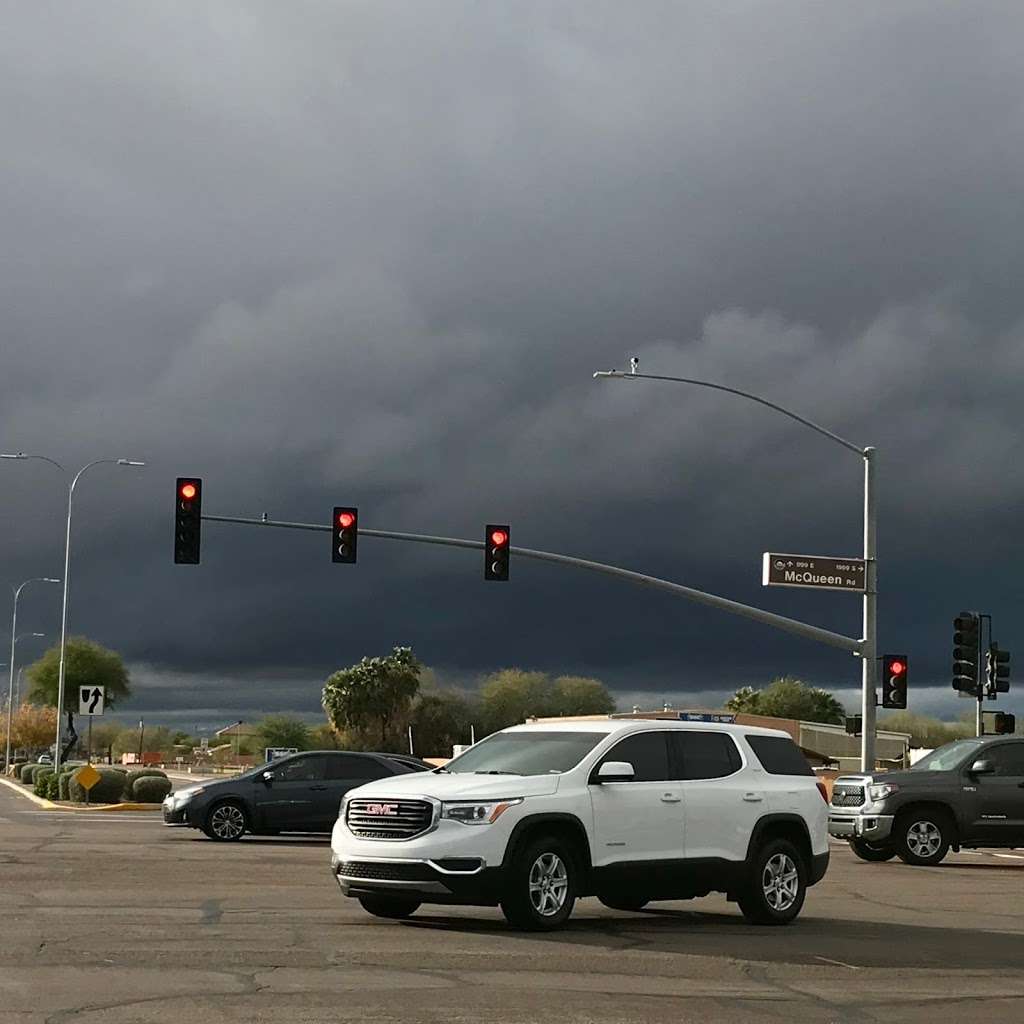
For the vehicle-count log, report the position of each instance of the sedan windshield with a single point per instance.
(947, 757)
(539, 752)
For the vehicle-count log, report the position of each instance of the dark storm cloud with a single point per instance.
(372, 253)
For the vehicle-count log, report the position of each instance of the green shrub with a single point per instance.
(15, 769)
(26, 772)
(39, 778)
(140, 773)
(52, 787)
(107, 791)
(150, 789)
(63, 782)
(38, 769)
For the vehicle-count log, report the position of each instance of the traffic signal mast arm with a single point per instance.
(788, 625)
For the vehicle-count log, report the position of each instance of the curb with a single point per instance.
(51, 806)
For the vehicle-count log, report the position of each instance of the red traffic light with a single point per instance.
(897, 668)
(346, 519)
(499, 538)
(188, 491)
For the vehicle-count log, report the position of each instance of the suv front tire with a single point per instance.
(540, 888)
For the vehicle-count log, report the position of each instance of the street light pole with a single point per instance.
(869, 640)
(64, 602)
(14, 640)
(67, 568)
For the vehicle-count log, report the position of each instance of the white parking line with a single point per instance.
(1009, 856)
(838, 963)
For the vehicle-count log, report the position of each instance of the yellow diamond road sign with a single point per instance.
(87, 777)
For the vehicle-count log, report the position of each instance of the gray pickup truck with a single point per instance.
(969, 793)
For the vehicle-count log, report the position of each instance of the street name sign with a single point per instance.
(820, 572)
(91, 700)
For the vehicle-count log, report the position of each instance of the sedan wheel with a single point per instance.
(226, 823)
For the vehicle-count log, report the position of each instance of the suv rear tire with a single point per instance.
(628, 905)
(923, 837)
(392, 907)
(777, 884)
(872, 852)
(540, 887)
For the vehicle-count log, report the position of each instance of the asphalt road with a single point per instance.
(114, 918)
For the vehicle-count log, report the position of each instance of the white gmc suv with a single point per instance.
(626, 810)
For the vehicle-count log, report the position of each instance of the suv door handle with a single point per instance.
(752, 798)
(670, 798)
(317, 787)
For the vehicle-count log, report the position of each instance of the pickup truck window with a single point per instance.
(537, 752)
(1008, 759)
(947, 757)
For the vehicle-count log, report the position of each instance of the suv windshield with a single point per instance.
(948, 757)
(538, 752)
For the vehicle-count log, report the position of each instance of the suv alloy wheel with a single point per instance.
(922, 837)
(776, 886)
(540, 889)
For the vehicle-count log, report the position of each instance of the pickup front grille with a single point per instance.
(847, 796)
(388, 819)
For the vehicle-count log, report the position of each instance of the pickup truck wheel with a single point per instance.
(630, 906)
(226, 822)
(540, 890)
(389, 906)
(923, 837)
(872, 852)
(777, 885)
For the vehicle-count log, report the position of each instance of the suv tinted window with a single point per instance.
(703, 755)
(352, 766)
(647, 752)
(300, 769)
(1008, 758)
(779, 755)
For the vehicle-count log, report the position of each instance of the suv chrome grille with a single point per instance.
(847, 796)
(388, 819)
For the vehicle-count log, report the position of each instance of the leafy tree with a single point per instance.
(439, 721)
(155, 738)
(103, 736)
(281, 731)
(512, 695)
(375, 693)
(924, 730)
(787, 697)
(323, 737)
(578, 695)
(32, 727)
(85, 664)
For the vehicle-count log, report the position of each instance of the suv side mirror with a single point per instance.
(615, 771)
(268, 778)
(983, 766)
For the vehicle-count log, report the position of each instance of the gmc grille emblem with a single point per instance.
(383, 809)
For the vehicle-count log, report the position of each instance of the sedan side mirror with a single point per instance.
(983, 767)
(615, 771)
(268, 778)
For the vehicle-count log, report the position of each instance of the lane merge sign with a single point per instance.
(820, 572)
(91, 700)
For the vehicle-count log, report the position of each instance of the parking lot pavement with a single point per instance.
(125, 921)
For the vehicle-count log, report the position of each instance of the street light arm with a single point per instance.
(742, 394)
(24, 455)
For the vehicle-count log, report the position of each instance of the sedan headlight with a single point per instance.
(482, 812)
(881, 791)
(183, 796)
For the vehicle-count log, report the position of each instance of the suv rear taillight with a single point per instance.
(823, 790)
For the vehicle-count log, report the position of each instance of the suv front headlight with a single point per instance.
(477, 812)
(881, 791)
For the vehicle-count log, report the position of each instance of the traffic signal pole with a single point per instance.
(869, 663)
(803, 629)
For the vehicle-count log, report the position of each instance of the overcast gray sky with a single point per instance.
(370, 253)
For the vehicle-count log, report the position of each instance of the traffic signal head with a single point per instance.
(997, 671)
(188, 501)
(1005, 724)
(966, 652)
(894, 681)
(344, 534)
(496, 550)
